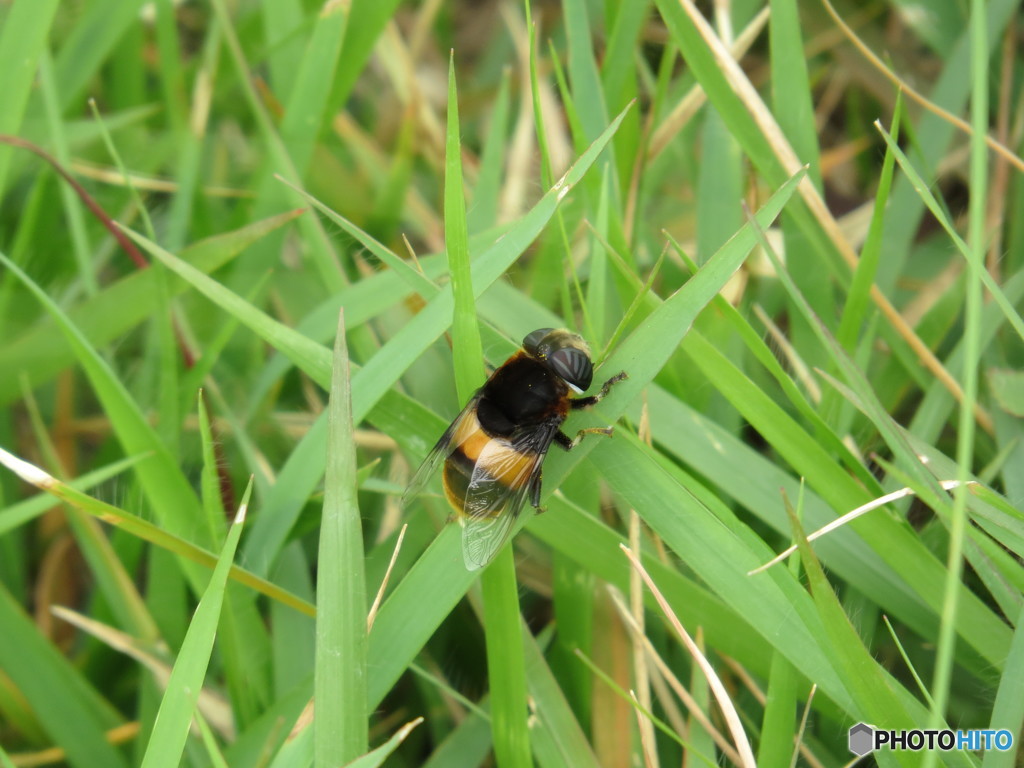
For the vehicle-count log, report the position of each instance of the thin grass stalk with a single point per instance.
(942, 679)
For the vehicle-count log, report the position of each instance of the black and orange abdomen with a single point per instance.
(499, 466)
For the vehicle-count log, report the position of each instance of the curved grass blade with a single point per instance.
(146, 531)
(170, 730)
(376, 758)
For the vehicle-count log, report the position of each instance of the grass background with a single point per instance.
(329, 216)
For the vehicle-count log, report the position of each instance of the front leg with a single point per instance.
(586, 402)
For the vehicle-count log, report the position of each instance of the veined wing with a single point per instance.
(503, 476)
(458, 431)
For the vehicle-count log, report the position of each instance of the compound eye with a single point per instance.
(534, 338)
(574, 366)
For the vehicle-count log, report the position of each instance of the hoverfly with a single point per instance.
(494, 449)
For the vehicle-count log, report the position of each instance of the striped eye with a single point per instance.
(533, 340)
(573, 366)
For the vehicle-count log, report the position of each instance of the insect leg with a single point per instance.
(586, 402)
(535, 492)
(568, 443)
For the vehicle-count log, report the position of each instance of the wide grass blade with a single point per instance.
(76, 718)
(340, 728)
(22, 42)
(506, 667)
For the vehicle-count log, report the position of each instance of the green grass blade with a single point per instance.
(855, 310)
(720, 187)
(73, 206)
(1008, 711)
(506, 666)
(278, 157)
(76, 718)
(366, 20)
(167, 742)
(468, 744)
(421, 600)
(779, 723)
(966, 424)
(935, 135)
(308, 96)
(29, 509)
(411, 277)
(170, 495)
(586, 82)
(145, 530)
(22, 42)
(209, 480)
(41, 352)
(876, 701)
(340, 729)
(546, 174)
(376, 758)
(646, 350)
(923, 189)
(791, 87)
(91, 41)
(483, 212)
(552, 708)
(466, 347)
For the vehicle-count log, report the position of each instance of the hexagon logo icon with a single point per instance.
(861, 739)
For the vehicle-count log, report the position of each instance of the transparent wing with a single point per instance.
(442, 450)
(504, 474)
